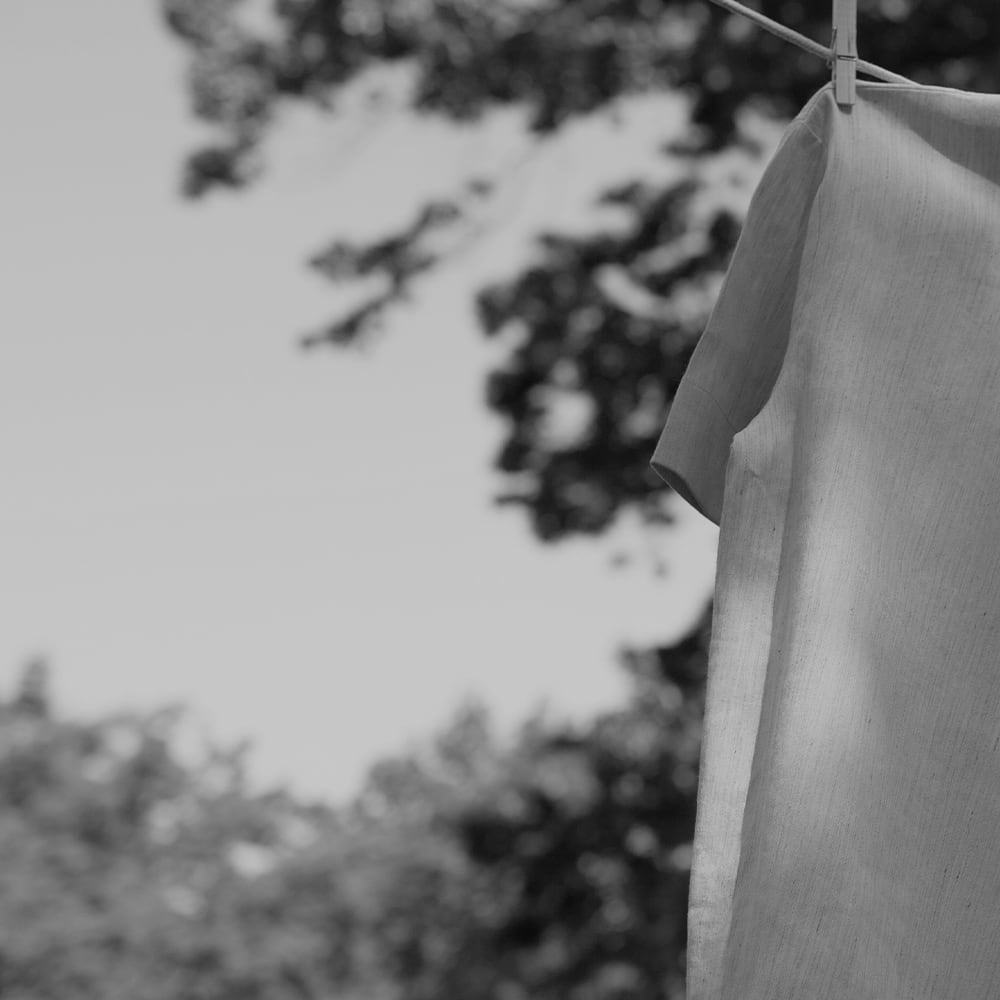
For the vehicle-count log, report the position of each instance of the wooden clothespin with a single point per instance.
(845, 51)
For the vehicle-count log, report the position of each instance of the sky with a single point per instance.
(300, 546)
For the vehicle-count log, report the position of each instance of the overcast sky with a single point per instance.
(299, 546)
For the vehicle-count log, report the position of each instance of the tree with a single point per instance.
(138, 870)
(124, 863)
(591, 828)
(558, 60)
(551, 865)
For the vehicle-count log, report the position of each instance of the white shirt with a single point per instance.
(840, 421)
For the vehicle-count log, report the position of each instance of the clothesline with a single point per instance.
(870, 69)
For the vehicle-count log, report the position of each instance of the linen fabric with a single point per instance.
(840, 421)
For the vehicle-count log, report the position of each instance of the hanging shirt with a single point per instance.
(840, 421)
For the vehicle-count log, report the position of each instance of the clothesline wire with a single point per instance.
(869, 69)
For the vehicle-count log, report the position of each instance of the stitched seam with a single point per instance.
(812, 132)
(715, 403)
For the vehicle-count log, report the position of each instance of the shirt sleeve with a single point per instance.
(737, 360)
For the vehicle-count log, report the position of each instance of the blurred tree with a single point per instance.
(558, 60)
(590, 829)
(123, 874)
(137, 867)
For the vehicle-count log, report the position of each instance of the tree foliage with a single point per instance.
(558, 60)
(553, 864)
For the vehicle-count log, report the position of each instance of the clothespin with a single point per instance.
(845, 51)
